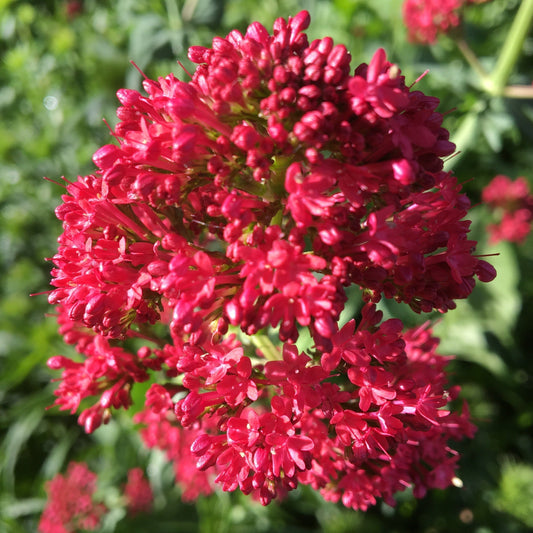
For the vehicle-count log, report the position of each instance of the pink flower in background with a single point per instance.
(138, 493)
(512, 203)
(71, 506)
(426, 19)
(227, 222)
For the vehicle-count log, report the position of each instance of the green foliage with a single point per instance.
(59, 74)
(515, 492)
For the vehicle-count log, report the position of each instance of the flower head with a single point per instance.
(71, 506)
(242, 204)
(426, 19)
(138, 493)
(512, 202)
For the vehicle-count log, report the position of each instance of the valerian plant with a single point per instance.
(230, 215)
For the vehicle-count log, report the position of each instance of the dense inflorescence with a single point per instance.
(512, 205)
(71, 502)
(74, 504)
(138, 492)
(425, 20)
(237, 208)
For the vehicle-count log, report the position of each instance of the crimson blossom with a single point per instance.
(71, 506)
(230, 215)
(426, 19)
(512, 204)
(138, 492)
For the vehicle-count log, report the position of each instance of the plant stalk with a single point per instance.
(263, 343)
(511, 49)
(472, 59)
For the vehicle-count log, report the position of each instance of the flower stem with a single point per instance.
(263, 343)
(511, 50)
(519, 91)
(472, 59)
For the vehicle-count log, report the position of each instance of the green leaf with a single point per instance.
(515, 491)
(204, 12)
(19, 433)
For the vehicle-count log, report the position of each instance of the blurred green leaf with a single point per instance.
(18, 434)
(515, 491)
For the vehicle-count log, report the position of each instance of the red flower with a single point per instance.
(108, 372)
(138, 492)
(425, 19)
(70, 505)
(513, 203)
(160, 431)
(245, 202)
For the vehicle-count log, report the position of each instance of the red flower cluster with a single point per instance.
(265, 427)
(138, 493)
(513, 204)
(426, 19)
(71, 507)
(242, 204)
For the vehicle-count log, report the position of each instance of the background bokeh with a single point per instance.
(61, 63)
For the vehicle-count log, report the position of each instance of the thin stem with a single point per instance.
(472, 59)
(263, 343)
(519, 91)
(188, 9)
(144, 333)
(511, 49)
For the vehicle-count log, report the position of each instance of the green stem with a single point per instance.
(511, 49)
(472, 59)
(188, 9)
(519, 91)
(263, 343)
